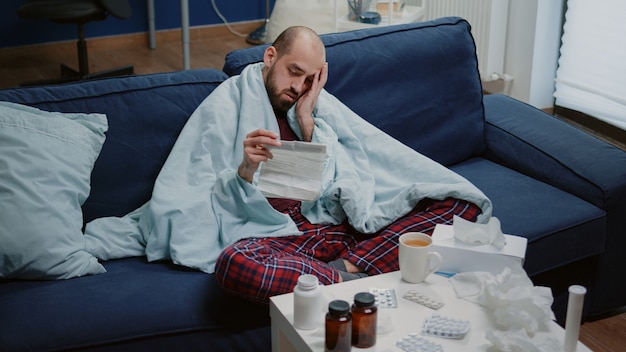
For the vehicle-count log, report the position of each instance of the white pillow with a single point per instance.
(46, 160)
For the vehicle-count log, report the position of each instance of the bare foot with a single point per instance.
(351, 268)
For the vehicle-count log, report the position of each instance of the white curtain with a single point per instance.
(591, 77)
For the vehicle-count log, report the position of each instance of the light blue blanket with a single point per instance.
(200, 205)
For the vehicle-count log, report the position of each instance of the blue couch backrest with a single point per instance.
(145, 116)
(418, 82)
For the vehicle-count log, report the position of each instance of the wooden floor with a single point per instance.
(606, 335)
(208, 47)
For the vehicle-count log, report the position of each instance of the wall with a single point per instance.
(16, 31)
(532, 49)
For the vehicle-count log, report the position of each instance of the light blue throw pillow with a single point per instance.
(46, 159)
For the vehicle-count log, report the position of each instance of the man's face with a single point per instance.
(282, 95)
(289, 76)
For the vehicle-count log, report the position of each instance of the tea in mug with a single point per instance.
(416, 243)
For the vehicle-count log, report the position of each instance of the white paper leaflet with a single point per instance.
(294, 172)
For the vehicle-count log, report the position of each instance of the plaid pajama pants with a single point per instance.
(258, 268)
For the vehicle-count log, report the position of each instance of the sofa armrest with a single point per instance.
(537, 144)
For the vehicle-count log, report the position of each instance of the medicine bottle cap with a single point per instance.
(364, 299)
(308, 281)
(338, 307)
(577, 290)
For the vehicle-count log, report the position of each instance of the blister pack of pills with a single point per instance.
(384, 297)
(414, 343)
(441, 326)
(423, 299)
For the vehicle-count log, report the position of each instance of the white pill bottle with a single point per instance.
(307, 303)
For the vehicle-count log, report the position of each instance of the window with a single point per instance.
(591, 77)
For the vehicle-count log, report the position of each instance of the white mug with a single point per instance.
(415, 258)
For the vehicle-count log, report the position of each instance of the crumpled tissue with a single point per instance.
(518, 341)
(518, 308)
(475, 233)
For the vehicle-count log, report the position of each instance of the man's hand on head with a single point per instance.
(255, 151)
(306, 103)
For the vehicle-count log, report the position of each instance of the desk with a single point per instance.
(401, 321)
(184, 20)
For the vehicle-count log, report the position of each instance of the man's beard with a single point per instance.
(279, 105)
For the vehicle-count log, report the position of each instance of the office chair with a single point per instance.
(77, 12)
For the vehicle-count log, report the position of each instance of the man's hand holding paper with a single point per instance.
(256, 150)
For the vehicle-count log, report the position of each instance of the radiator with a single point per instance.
(488, 19)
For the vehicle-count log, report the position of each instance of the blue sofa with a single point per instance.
(559, 187)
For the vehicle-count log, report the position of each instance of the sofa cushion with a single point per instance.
(45, 166)
(145, 115)
(549, 217)
(431, 100)
(517, 133)
(133, 303)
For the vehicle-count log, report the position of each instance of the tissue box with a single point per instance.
(459, 257)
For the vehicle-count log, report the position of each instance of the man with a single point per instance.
(294, 73)
(207, 213)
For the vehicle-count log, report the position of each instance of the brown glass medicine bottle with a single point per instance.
(338, 327)
(364, 313)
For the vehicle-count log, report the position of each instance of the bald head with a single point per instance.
(304, 36)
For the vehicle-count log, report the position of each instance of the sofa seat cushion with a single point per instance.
(549, 217)
(431, 100)
(134, 300)
(144, 113)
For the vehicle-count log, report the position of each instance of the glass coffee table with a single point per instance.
(394, 323)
